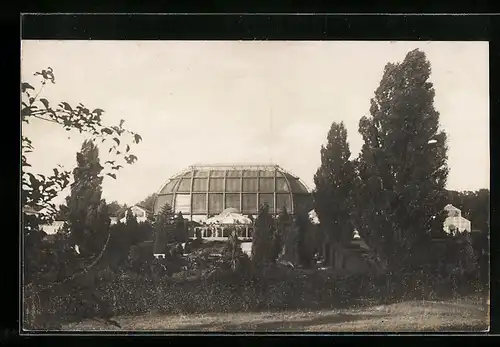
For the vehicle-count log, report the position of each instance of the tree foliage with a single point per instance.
(38, 191)
(304, 245)
(233, 254)
(402, 167)
(53, 266)
(280, 230)
(335, 185)
(181, 229)
(148, 202)
(130, 218)
(114, 207)
(289, 239)
(88, 216)
(467, 256)
(262, 241)
(164, 228)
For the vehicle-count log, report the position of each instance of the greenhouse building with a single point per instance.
(204, 191)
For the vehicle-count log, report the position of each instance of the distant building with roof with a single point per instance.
(454, 222)
(140, 212)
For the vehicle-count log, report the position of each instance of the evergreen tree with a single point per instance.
(181, 230)
(164, 228)
(289, 242)
(88, 217)
(304, 246)
(402, 165)
(335, 184)
(114, 207)
(262, 237)
(131, 219)
(133, 228)
(279, 233)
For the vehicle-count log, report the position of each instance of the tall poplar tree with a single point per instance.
(403, 162)
(333, 195)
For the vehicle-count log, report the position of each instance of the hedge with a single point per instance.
(274, 289)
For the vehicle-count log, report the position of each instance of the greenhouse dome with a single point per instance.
(203, 191)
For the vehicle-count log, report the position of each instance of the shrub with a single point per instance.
(262, 241)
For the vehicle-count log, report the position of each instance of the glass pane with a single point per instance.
(267, 173)
(161, 200)
(279, 174)
(282, 185)
(269, 199)
(169, 187)
(233, 201)
(216, 185)
(250, 173)
(249, 202)
(185, 185)
(187, 174)
(233, 184)
(296, 186)
(200, 184)
(250, 185)
(217, 173)
(199, 203)
(200, 173)
(233, 173)
(283, 200)
(182, 203)
(266, 185)
(215, 203)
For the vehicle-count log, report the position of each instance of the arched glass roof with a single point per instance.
(234, 179)
(208, 189)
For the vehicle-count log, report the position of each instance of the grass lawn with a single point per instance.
(465, 314)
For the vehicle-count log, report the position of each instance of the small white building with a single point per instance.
(313, 217)
(140, 213)
(455, 223)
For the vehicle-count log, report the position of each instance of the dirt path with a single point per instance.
(460, 315)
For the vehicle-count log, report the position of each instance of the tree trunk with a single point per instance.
(338, 261)
(331, 255)
(325, 253)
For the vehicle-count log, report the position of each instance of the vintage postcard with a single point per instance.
(265, 186)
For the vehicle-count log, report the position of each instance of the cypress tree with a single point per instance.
(164, 229)
(88, 217)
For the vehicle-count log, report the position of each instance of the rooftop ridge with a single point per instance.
(235, 165)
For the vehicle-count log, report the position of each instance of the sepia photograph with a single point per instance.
(255, 186)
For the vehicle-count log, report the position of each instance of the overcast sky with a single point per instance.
(247, 102)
